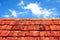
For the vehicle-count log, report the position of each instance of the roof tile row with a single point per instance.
(47, 22)
(30, 27)
(30, 38)
(29, 33)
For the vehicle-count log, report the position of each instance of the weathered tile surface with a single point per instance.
(29, 29)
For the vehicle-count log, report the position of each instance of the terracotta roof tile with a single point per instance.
(29, 29)
(30, 38)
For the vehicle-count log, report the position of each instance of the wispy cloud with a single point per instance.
(38, 10)
(13, 12)
(58, 1)
(7, 16)
(21, 3)
(16, 14)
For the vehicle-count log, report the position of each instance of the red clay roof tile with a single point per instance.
(29, 29)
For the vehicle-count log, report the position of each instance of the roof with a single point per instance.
(29, 29)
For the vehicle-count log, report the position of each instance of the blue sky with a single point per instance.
(29, 8)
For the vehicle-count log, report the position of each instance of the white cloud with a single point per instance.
(47, 0)
(46, 12)
(13, 12)
(58, 1)
(34, 8)
(6, 16)
(38, 10)
(25, 12)
(20, 3)
(16, 13)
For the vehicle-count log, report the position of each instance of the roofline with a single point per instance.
(30, 18)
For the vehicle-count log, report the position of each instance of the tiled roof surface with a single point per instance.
(29, 29)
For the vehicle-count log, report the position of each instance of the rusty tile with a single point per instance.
(21, 33)
(58, 38)
(58, 33)
(53, 27)
(8, 27)
(41, 28)
(47, 28)
(42, 38)
(32, 33)
(3, 27)
(0, 31)
(42, 33)
(55, 21)
(32, 27)
(48, 22)
(0, 38)
(15, 33)
(59, 21)
(58, 27)
(46, 38)
(16, 27)
(1, 22)
(4, 33)
(11, 33)
(50, 33)
(21, 38)
(0, 26)
(4, 39)
(11, 38)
